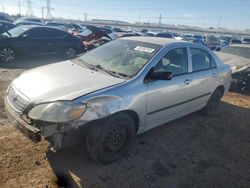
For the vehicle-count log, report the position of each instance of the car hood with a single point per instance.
(62, 81)
(237, 63)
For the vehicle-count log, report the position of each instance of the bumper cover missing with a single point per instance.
(29, 131)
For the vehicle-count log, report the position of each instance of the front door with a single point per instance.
(168, 100)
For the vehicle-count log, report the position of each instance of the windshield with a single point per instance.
(237, 50)
(122, 56)
(15, 32)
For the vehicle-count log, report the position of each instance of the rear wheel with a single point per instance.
(70, 53)
(7, 55)
(110, 139)
(212, 103)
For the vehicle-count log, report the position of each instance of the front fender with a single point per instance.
(101, 107)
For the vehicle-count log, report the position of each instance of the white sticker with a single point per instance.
(144, 49)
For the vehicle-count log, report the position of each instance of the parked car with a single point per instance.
(118, 30)
(29, 23)
(235, 41)
(238, 57)
(187, 37)
(127, 34)
(115, 92)
(199, 41)
(165, 35)
(246, 40)
(226, 40)
(23, 20)
(6, 26)
(213, 43)
(199, 37)
(110, 32)
(30, 40)
(60, 25)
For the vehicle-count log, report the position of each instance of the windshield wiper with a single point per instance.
(99, 67)
(112, 73)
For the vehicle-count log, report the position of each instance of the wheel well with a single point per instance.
(222, 89)
(134, 116)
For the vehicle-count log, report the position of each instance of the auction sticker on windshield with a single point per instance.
(144, 49)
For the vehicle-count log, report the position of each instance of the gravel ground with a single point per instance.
(194, 151)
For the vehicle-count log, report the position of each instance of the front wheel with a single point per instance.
(7, 55)
(70, 53)
(212, 103)
(110, 139)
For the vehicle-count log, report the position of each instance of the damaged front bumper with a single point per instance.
(37, 131)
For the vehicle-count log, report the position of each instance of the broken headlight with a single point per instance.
(58, 112)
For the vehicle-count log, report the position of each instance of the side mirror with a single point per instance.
(159, 75)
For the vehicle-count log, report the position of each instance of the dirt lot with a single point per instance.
(194, 151)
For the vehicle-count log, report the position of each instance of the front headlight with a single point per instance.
(58, 112)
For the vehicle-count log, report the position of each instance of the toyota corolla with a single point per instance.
(115, 92)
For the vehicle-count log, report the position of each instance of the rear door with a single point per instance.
(38, 41)
(204, 76)
(167, 99)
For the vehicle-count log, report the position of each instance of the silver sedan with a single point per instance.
(115, 92)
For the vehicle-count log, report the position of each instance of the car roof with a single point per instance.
(154, 40)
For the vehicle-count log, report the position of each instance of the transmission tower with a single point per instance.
(49, 9)
(29, 11)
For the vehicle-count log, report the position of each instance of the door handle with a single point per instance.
(187, 81)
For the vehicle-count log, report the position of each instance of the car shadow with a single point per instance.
(194, 151)
(32, 62)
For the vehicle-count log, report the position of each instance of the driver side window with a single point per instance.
(175, 61)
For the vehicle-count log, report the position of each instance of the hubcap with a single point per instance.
(115, 139)
(7, 54)
(71, 53)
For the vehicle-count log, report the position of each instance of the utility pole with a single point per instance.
(19, 7)
(139, 18)
(29, 11)
(160, 18)
(3, 9)
(85, 17)
(218, 25)
(42, 9)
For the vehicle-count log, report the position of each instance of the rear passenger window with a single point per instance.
(201, 60)
(174, 61)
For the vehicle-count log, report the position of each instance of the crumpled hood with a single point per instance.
(236, 62)
(61, 81)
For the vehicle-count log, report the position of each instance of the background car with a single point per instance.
(23, 20)
(187, 37)
(6, 26)
(238, 57)
(246, 40)
(30, 40)
(213, 42)
(165, 35)
(110, 32)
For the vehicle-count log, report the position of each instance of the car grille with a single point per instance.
(17, 99)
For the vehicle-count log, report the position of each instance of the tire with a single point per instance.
(70, 53)
(7, 55)
(110, 139)
(212, 103)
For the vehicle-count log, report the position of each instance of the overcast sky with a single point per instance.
(235, 14)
